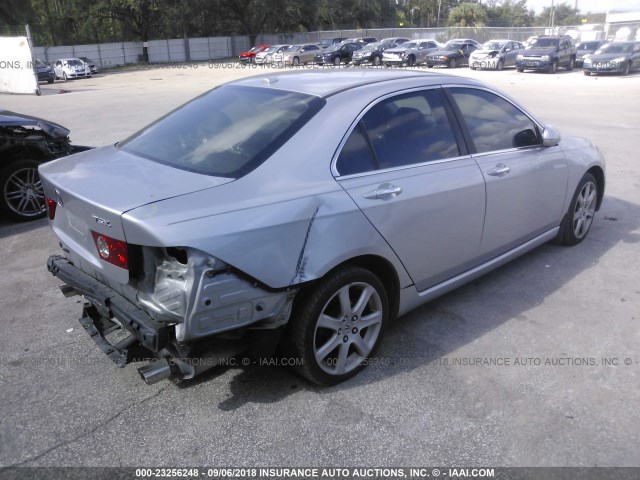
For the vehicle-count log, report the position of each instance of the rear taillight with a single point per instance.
(112, 250)
(51, 207)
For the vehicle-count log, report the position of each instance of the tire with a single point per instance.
(296, 61)
(453, 63)
(376, 61)
(577, 222)
(64, 76)
(21, 193)
(572, 63)
(472, 68)
(338, 324)
(553, 68)
(500, 65)
(519, 70)
(336, 61)
(588, 74)
(627, 69)
(411, 61)
(50, 81)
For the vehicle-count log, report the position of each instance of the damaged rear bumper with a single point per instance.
(108, 303)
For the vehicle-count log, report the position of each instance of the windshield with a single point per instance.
(453, 45)
(226, 132)
(371, 46)
(293, 48)
(74, 63)
(333, 48)
(588, 46)
(40, 63)
(493, 45)
(545, 43)
(616, 48)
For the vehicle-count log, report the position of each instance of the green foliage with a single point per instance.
(69, 22)
(467, 15)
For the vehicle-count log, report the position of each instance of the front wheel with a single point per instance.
(64, 76)
(500, 65)
(627, 68)
(587, 73)
(22, 194)
(296, 61)
(572, 63)
(520, 70)
(339, 324)
(453, 63)
(553, 67)
(579, 218)
(336, 61)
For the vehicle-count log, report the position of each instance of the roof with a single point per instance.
(323, 83)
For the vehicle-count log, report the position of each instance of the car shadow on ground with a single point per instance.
(9, 228)
(440, 327)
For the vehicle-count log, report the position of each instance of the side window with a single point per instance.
(410, 128)
(493, 122)
(355, 156)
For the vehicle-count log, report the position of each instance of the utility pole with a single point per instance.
(439, 5)
(551, 16)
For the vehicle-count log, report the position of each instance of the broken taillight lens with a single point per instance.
(111, 250)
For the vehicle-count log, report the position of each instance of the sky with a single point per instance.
(593, 6)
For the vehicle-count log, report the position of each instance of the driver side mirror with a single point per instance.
(550, 136)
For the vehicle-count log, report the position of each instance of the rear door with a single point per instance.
(405, 166)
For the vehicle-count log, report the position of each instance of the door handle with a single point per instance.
(499, 170)
(384, 191)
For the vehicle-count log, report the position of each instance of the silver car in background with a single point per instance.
(495, 55)
(307, 209)
(409, 53)
(297, 54)
(267, 56)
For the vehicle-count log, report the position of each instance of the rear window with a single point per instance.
(226, 132)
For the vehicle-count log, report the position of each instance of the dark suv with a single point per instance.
(548, 53)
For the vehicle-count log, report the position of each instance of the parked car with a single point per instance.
(91, 64)
(25, 143)
(327, 42)
(548, 53)
(396, 40)
(585, 48)
(454, 54)
(298, 54)
(44, 71)
(267, 56)
(250, 55)
(69, 68)
(363, 40)
(614, 57)
(337, 54)
(409, 53)
(495, 55)
(372, 53)
(308, 210)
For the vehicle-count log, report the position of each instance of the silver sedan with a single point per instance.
(309, 210)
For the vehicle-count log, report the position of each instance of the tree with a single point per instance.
(509, 14)
(467, 15)
(563, 14)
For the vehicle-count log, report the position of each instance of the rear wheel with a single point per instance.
(296, 61)
(339, 324)
(579, 218)
(520, 69)
(587, 73)
(22, 194)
